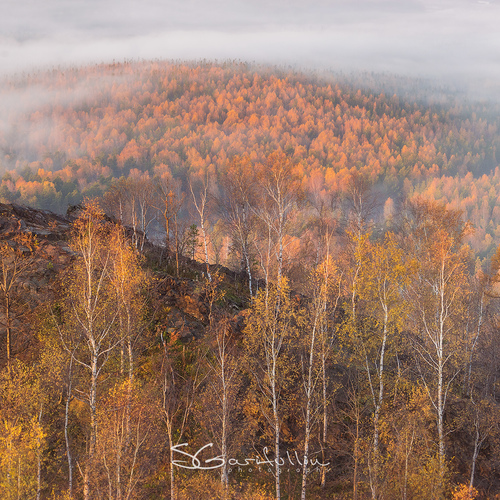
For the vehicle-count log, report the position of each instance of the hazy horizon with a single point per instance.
(450, 41)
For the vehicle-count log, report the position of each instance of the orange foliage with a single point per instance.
(191, 117)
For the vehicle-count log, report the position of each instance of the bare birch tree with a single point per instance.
(200, 201)
(280, 193)
(236, 207)
(169, 200)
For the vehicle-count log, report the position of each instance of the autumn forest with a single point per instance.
(243, 282)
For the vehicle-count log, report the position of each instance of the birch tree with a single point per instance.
(17, 258)
(438, 293)
(236, 206)
(127, 441)
(222, 381)
(268, 334)
(200, 201)
(384, 274)
(169, 202)
(88, 322)
(220, 394)
(328, 334)
(123, 424)
(279, 194)
(115, 200)
(179, 384)
(316, 342)
(141, 192)
(128, 279)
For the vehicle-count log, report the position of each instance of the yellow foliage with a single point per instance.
(21, 435)
(464, 492)
(198, 485)
(425, 482)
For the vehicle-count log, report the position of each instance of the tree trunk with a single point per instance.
(276, 423)
(205, 246)
(325, 421)
(39, 459)
(66, 435)
(176, 246)
(224, 476)
(93, 430)
(474, 460)
(172, 476)
(440, 401)
(249, 273)
(277, 453)
(8, 329)
(309, 395)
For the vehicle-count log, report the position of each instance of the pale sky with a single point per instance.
(450, 39)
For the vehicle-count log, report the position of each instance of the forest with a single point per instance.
(72, 132)
(266, 286)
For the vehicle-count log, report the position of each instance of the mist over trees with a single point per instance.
(71, 133)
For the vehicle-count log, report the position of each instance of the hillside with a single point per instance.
(70, 133)
(185, 355)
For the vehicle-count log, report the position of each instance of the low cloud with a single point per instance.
(455, 40)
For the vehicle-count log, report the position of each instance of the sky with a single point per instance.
(457, 40)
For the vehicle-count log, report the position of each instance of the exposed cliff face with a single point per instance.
(187, 307)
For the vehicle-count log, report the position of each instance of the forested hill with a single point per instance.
(71, 132)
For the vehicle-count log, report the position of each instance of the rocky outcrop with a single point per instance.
(183, 300)
(42, 223)
(50, 230)
(187, 307)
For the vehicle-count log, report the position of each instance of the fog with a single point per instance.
(456, 41)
